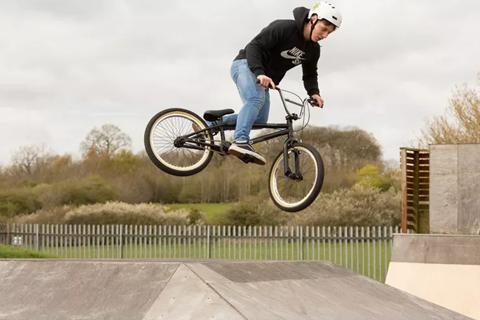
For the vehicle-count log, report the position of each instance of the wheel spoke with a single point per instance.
(163, 133)
(289, 192)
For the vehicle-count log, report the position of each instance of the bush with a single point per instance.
(123, 213)
(45, 216)
(70, 192)
(18, 201)
(75, 192)
(359, 205)
(194, 217)
(370, 176)
(112, 213)
(254, 211)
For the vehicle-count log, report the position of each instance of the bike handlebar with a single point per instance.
(313, 102)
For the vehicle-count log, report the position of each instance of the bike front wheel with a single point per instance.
(173, 144)
(295, 182)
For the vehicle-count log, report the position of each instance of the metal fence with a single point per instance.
(365, 250)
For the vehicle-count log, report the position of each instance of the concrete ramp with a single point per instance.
(48, 289)
(442, 269)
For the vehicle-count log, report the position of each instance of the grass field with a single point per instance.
(11, 252)
(369, 258)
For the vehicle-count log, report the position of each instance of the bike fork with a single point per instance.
(296, 175)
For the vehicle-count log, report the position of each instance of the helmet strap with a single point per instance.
(313, 24)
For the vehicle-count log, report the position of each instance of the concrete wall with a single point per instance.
(436, 248)
(451, 286)
(455, 188)
(443, 269)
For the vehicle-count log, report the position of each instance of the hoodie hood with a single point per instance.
(300, 15)
(279, 47)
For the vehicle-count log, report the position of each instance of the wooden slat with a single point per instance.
(403, 156)
(415, 186)
(424, 179)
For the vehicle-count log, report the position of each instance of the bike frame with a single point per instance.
(222, 148)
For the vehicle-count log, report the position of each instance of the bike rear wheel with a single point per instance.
(297, 189)
(173, 145)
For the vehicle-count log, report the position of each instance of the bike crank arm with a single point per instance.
(198, 145)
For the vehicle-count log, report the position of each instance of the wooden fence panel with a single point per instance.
(415, 169)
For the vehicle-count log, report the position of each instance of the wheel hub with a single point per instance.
(179, 142)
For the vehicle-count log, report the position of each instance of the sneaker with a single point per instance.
(246, 153)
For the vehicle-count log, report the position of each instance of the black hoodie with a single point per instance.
(281, 46)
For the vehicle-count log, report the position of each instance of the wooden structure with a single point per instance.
(415, 165)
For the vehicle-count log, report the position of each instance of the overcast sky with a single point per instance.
(67, 66)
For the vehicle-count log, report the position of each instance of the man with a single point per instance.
(263, 63)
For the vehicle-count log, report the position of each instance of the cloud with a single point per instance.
(68, 66)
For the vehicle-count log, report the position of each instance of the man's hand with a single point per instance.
(266, 82)
(318, 100)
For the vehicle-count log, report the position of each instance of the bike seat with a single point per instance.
(212, 115)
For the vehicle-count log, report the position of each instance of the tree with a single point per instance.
(460, 124)
(105, 142)
(370, 176)
(28, 159)
(343, 152)
(349, 148)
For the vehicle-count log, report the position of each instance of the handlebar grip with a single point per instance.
(270, 86)
(312, 102)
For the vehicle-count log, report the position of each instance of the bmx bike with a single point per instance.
(181, 143)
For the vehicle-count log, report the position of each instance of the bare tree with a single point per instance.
(105, 141)
(460, 124)
(28, 159)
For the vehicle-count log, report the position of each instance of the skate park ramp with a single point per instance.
(66, 289)
(441, 268)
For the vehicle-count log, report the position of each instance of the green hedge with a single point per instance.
(18, 201)
(76, 192)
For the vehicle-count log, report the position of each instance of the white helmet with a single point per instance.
(327, 11)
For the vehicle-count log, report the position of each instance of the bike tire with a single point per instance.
(279, 193)
(153, 135)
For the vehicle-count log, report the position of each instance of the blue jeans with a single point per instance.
(255, 98)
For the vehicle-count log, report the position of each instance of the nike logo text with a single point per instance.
(295, 54)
